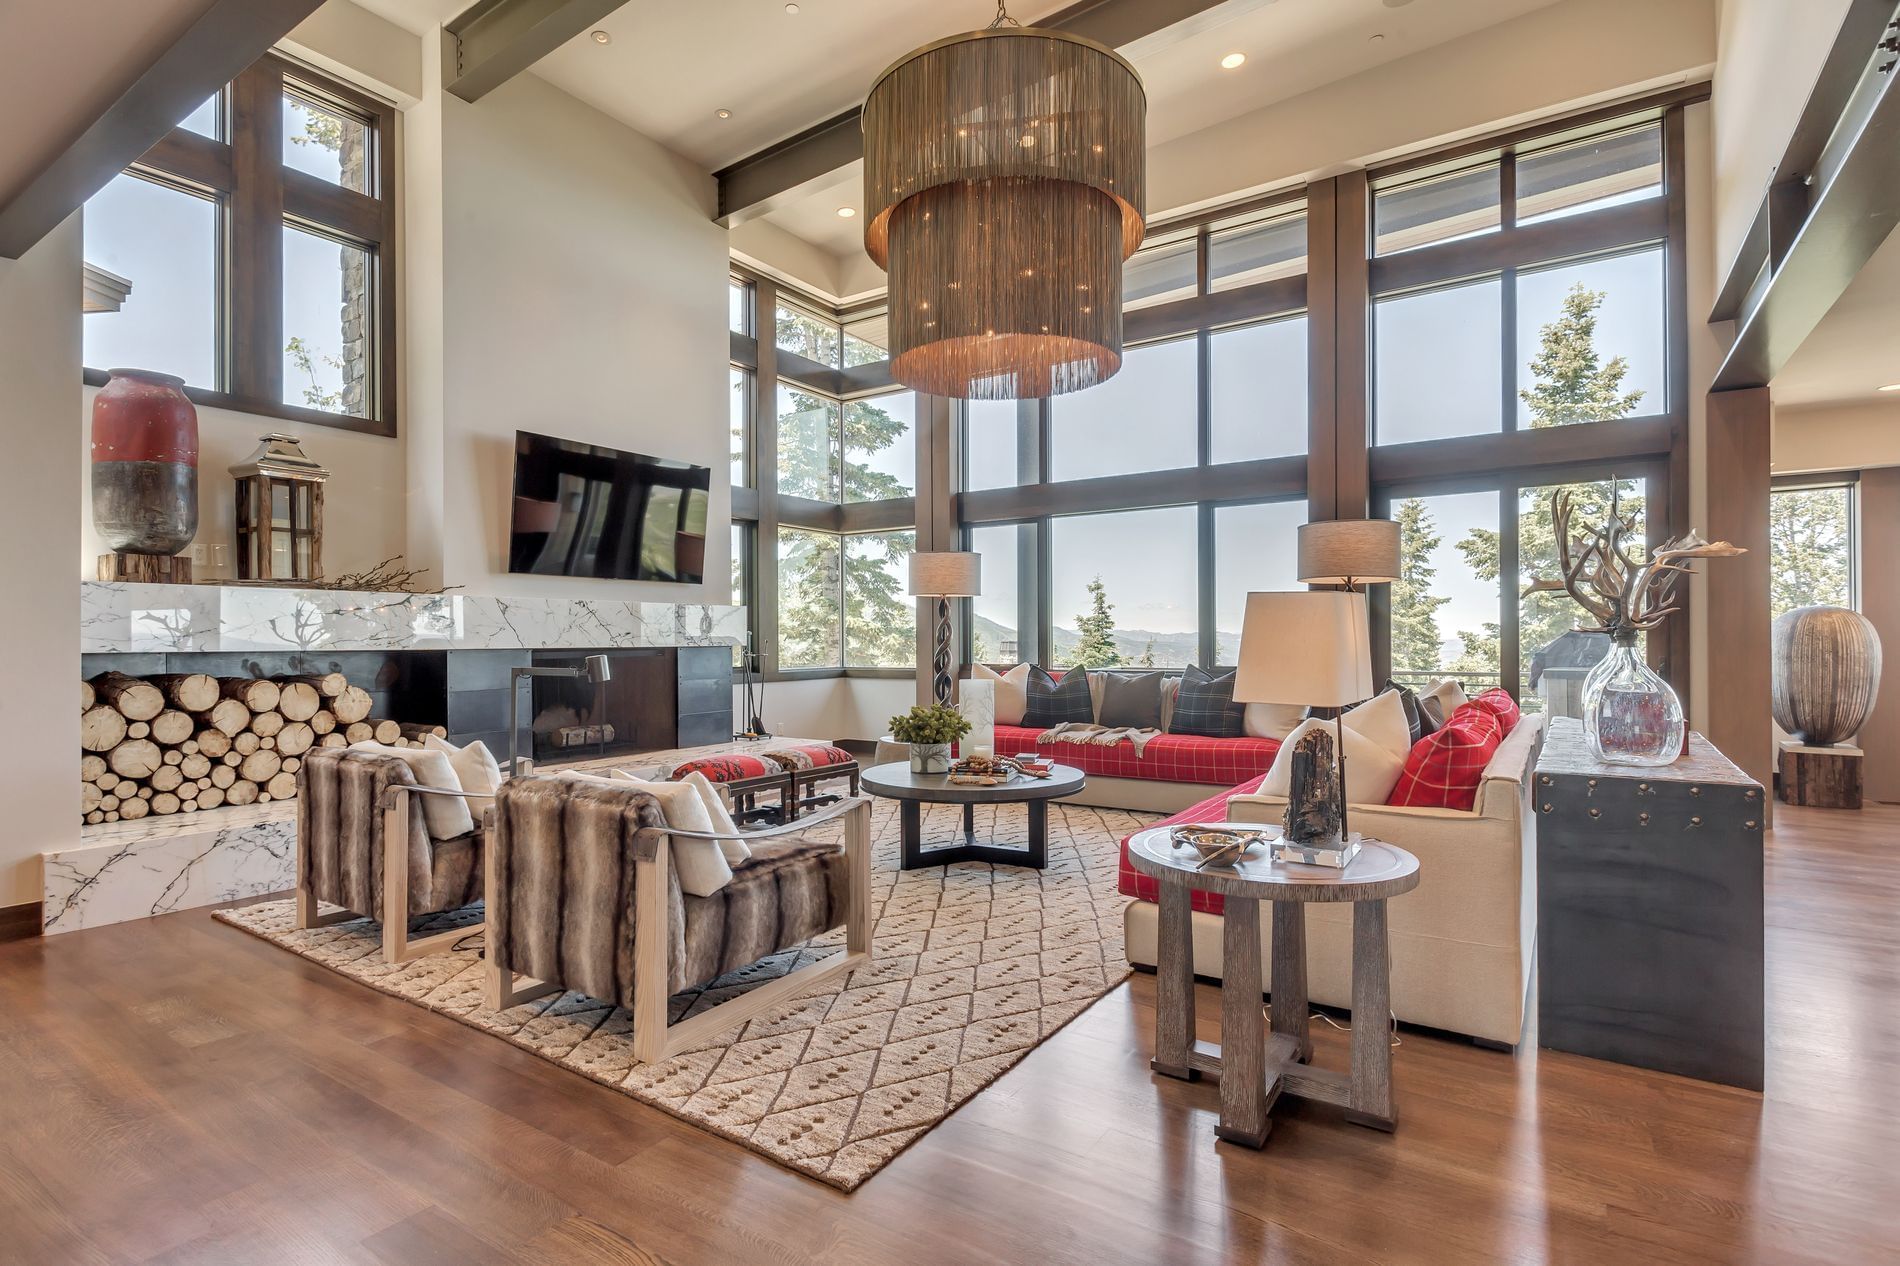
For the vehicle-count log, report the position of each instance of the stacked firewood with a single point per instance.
(182, 742)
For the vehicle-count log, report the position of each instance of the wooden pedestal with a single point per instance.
(146, 569)
(1820, 777)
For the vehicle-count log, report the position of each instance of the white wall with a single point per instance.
(832, 707)
(1859, 435)
(579, 294)
(39, 536)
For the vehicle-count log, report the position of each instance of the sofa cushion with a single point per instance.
(1132, 883)
(1271, 720)
(1414, 719)
(1053, 702)
(1371, 768)
(1382, 719)
(1446, 766)
(1204, 704)
(1439, 700)
(1498, 702)
(1167, 757)
(1012, 691)
(1131, 700)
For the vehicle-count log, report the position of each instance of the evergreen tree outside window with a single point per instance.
(1812, 545)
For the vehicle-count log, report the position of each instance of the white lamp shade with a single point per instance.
(950, 574)
(1359, 551)
(1310, 648)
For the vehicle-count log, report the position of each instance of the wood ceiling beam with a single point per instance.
(491, 42)
(778, 173)
(229, 36)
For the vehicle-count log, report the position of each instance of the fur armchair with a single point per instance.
(582, 896)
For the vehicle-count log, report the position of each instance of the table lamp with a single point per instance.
(943, 576)
(1311, 648)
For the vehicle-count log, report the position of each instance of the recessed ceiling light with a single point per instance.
(845, 213)
(1892, 386)
(791, 8)
(603, 37)
(1233, 61)
(1375, 39)
(722, 114)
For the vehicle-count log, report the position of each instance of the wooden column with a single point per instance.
(1878, 501)
(1740, 721)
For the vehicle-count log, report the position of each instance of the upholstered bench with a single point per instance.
(743, 776)
(810, 764)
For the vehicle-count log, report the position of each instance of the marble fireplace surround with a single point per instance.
(131, 870)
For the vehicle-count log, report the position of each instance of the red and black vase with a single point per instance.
(144, 463)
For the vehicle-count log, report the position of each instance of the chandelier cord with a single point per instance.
(1002, 16)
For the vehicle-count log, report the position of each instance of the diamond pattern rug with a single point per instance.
(974, 965)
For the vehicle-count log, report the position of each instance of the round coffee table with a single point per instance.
(913, 791)
(1256, 1067)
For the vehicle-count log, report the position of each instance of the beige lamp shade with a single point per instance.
(949, 574)
(1349, 551)
(1310, 648)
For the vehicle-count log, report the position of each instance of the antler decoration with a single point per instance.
(1623, 596)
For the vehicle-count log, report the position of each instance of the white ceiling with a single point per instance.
(71, 62)
(1856, 348)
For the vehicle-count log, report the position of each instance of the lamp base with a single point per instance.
(1334, 854)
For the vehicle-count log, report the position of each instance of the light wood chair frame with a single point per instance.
(653, 1038)
(398, 948)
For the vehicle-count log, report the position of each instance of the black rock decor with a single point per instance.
(1312, 803)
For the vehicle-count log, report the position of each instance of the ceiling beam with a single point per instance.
(1818, 243)
(491, 42)
(228, 37)
(779, 173)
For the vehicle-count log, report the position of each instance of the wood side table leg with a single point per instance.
(1243, 1039)
(911, 828)
(1039, 837)
(1290, 1006)
(1370, 1098)
(1174, 986)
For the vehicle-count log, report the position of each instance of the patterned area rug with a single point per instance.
(975, 965)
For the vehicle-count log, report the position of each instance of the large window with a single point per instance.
(1812, 541)
(1141, 419)
(810, 462)
(1119, 592)
(810, 599)
(876, 565)
(880, 455)
(1435, 363)
(997, 624)
(1445, 605)
(258, 239)
(1257, 403)
(1255, 551)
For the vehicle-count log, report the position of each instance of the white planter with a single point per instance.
(929, 758)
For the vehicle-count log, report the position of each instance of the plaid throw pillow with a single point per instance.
(1498, 702)
(1053, 703)
(1205, 705)
(1445, 767)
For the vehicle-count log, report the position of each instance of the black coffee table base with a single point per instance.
(1036, 856)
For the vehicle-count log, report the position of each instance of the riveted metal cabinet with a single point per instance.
(1649, 882)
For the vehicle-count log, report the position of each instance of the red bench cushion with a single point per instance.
(1444, 768)
(1132, 883)
(1167, 758)
(731, 767)
(808, 756)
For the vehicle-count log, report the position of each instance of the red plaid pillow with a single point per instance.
(1444, 768)
(1498, 702)
(729, 768)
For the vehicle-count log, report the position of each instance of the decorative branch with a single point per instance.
(1623, 596)
(388, 576)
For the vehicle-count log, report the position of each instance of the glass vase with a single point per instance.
(1630, 714)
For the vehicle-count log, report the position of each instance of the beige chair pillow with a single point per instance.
(700, 864)
(1439, 700)
(1271, 720)
(733, 847)
(476, 767)
(1012, 691)
(445, 816)
(1371, 770)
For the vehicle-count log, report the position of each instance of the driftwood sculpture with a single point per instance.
(1623, 596)
(1312, 802)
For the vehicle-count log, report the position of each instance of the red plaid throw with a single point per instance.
(1132, 883)
(1445, 767)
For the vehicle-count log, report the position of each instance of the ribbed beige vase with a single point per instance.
(1826, 673)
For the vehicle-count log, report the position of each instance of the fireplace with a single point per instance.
(656, 698)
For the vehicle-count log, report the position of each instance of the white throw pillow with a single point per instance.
(700, 864)
(1012, 691)
(730, 844)
(1440, 699)
(475, 765)
(1271, 720)
(1382, 719)
(1371, 770)
(445, 816)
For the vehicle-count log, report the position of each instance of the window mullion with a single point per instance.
(255, 276)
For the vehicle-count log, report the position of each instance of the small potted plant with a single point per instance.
(930, 731)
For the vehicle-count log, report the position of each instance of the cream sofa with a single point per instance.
(1462, 941)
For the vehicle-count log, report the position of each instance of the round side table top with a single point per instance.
(1380, 870)
(895, 782)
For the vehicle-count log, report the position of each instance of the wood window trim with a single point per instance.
(257, 199)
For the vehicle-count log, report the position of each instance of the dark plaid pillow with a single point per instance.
(1414, 718)
(1052, 702)
(1205, 705)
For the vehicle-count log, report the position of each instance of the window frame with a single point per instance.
(258, 197)
(1849, 482)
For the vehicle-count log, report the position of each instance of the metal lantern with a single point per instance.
(279, 512)
(1004, 174)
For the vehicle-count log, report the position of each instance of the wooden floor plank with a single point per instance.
(174, 1090)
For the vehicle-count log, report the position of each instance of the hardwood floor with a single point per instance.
(177, 1091)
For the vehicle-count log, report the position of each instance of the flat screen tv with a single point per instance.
(589, 510)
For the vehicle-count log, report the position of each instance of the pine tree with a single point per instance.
(1415, 638)
(1147, 659)
(1809, 539)
(1096, 629)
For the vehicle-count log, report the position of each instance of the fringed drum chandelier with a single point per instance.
(1004, 174)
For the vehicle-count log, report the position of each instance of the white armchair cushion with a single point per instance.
(445, 816)
(700, 864)
(475, 765)
(1012, 691)
(1371, 769)
(1382, 719)
(734, 848)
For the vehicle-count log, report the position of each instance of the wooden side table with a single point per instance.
(1257, 1066)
